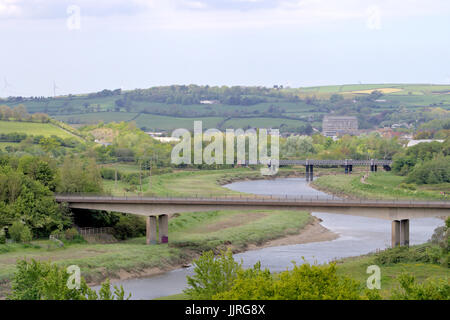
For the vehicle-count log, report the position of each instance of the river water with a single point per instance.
(357, 235)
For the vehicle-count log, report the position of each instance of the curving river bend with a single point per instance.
(357, 236)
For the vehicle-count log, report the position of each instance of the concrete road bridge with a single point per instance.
(347, 164)
(159, 209)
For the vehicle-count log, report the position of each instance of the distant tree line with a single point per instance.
(19, 113)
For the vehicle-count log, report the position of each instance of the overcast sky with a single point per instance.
(86, 45)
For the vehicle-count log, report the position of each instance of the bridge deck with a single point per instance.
(263, 200)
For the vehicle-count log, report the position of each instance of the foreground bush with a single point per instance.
(212, 275)
(304, 282)
(35, 280)
(410, 290)
(223, 278)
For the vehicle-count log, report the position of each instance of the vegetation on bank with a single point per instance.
(35, 280)
(417, 272)
(379, 185)
(401, 279)
(190, 233)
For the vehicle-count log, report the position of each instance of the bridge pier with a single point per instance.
(404, 232)
(395, 233)
(400, 233)
(163, 221)
(307, 172)
(151, 232)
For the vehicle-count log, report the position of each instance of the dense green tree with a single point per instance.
(80, 175)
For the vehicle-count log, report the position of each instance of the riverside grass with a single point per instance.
(199, 182)
(189, 233)
(380, 185)
(356, 268)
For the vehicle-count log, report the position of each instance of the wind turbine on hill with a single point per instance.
(54, 88)
(6, 86)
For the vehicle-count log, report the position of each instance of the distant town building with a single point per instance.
(103, 143)
(209, 102)
(333, 126)
(414, 142)
(387, 132)
(159, 136)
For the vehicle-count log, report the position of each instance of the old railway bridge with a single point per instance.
(347, 164)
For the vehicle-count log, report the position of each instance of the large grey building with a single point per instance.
(334, 126)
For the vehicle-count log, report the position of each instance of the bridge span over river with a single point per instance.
(159, 209)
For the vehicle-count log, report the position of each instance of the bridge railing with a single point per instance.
(248, 198)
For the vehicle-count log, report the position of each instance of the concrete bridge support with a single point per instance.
(395, 233)
(400, 233)
(152, 230)
(404, 232)
(152, 237)
(163, 221)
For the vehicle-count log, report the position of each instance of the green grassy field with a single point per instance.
(30, 128)
(157, 122)
(356, 268)
(237, 123)
(94, 117)
(182, 183)
(380, 185)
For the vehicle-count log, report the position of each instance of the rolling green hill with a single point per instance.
(289, 109)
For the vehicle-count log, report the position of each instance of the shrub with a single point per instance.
(2, 236)
(20, 232)
(26, 235)
(71, 233)
(431, 290)
(304, 282)
(129, 226)
(212, 276)
(427, 254)
(407, 186)
(37, 280)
